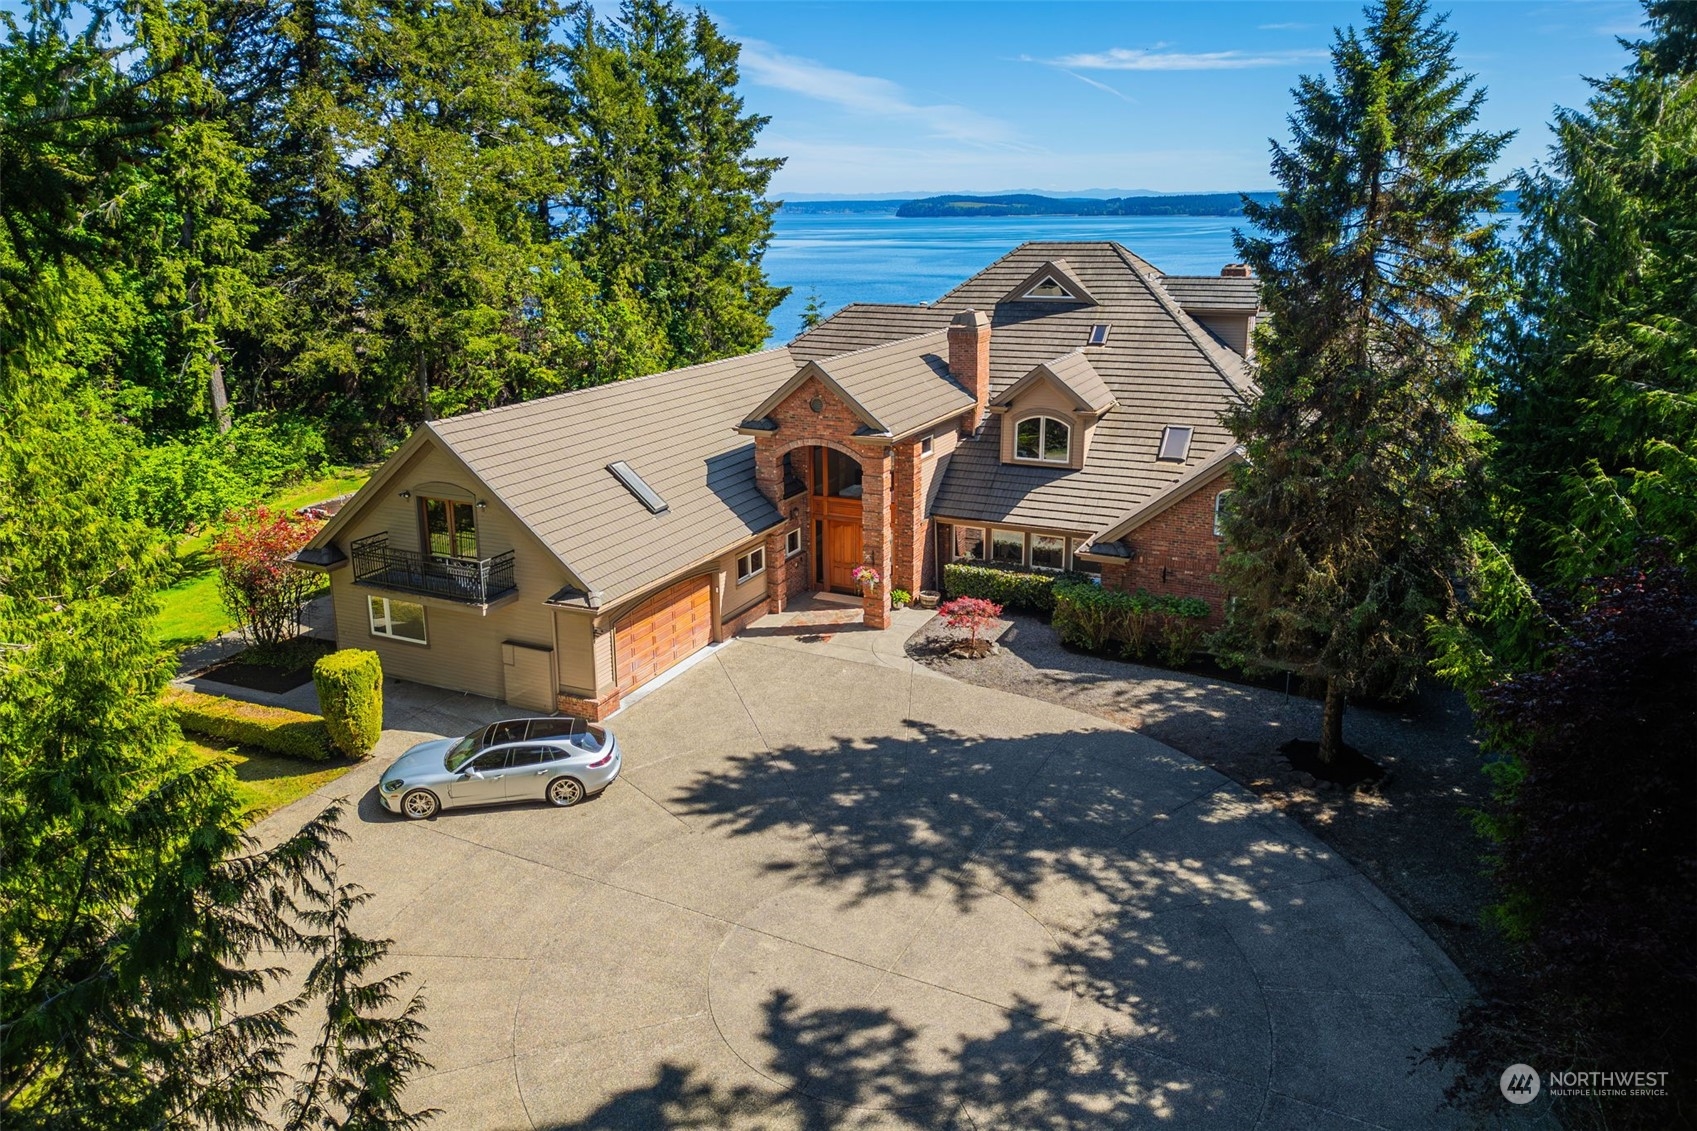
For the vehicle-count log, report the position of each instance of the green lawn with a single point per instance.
(266, 782)
(190, 610)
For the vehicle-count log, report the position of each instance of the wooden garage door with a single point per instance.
(670, 626)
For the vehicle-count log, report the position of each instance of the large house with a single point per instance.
(1058, 410)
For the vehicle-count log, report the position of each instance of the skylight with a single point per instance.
(1048, 288)
(634, 483)
(1099, 334)
(1175, 443)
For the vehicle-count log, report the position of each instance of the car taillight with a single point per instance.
(601, 761)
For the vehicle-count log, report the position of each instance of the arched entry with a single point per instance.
(835, 500)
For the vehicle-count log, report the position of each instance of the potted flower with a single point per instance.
(867, 577)
(900, 598)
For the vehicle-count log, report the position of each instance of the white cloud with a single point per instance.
(1141, 59)
(1282, 27)
(866, 94)
(1088, 81)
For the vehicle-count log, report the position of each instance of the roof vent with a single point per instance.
(1175, 443)
(634, 483)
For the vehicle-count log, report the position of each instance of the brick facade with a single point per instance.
(833, 425)
(593, 710)
(1177, 552)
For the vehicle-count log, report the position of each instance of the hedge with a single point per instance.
(272, 729)
(1142, 624)
(1011, 589)
(350, 693)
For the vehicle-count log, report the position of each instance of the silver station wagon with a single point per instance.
(558, 760)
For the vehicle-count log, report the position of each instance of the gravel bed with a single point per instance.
(1410, 833)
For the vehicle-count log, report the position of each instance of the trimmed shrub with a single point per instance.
(1009, 588)
(275, 730)
(1090, 617)
(350, 693)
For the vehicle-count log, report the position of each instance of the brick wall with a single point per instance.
(1177, 552)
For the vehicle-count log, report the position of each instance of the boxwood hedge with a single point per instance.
(276, 730)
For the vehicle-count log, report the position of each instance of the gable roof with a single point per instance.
(1162, 368)
(1072, 374)
(1058, 271)
(1187, 485)
(862, 324)
(894, 388)
(1214, 293)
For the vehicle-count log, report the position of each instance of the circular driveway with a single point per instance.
(833, 889)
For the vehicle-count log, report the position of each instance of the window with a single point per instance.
(558, 727)
(1175, 443)
(510, 730)
(794, 482)
(969, 544)
(925, 446)
(638, 486)
(1220, 505)
(1048, 552)
(835, 474)
(751, 563)
(1099, 334)
(534, 756)
(1042, 438)
(1048, 288)
(489, 763)
(1007, 547)
(399, 620)
(450, 528)
(792, 543)
(1081, 565)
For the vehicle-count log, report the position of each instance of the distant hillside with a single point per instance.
(1184, 204)
(828, 207)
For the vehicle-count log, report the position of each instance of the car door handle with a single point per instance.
(541, 773)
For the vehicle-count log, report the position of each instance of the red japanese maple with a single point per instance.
(260, 588)
(971, 613)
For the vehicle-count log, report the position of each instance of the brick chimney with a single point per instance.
(969, 359)
(1237, 271)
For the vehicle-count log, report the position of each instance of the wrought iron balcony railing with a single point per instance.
(476, 581)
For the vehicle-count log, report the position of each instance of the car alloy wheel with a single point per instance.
(565, 791)
(419, 804)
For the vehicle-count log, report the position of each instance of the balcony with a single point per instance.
(472, 581)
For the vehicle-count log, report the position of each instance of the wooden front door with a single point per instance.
(842, 553)
(668, 627)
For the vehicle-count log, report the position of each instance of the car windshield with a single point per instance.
(461, 752)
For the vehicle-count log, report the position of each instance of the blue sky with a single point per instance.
(872, 98)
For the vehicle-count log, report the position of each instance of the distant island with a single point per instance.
(1183, 204)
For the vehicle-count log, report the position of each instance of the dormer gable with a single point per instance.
(1054, 281)
(1049, 416)
(1072, 376)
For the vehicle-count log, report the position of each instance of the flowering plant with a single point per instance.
(867, 576)
(259, 586)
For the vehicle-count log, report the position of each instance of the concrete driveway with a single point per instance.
(833, 889)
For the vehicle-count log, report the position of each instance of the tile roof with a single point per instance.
(1218, 293)
(1075, 376)
(547, 461)
(895, 387)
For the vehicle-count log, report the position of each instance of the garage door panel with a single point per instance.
(664, 630)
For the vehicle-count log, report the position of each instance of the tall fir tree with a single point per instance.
(1348, 521)
(668, 200)
(1596, 414)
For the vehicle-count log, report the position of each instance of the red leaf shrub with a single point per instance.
(971, 613)
(259, 587)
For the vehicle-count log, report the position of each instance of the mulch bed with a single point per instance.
(1405, 826)
(1350, 767)
(286, 672)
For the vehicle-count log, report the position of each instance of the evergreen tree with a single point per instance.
(1347, 527)
(667, 199)
(1596, 415)
(813, 313)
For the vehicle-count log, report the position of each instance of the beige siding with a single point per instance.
(1043, 399)
(576, 663)
(1233, 329)
(737, 598)
(464, 648)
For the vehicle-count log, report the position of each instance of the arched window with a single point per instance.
(1044, 438)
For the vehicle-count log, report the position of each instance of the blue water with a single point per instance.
(877, 257)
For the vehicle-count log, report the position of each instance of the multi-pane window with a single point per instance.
(1044, 438)
(1048, 552)
(968, 544)
(450, 528)
(1007, 547)
(399, 620)
(751, 563)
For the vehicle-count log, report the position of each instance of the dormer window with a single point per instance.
(1048, 288)
(1175, 443)
(1043, 438)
